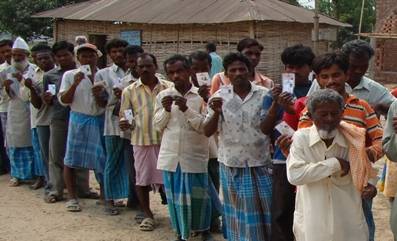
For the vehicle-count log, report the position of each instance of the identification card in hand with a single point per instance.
(129, 116)
(285, 129)
(203, 79)
(85, 69)
(52, 89)
(288, 80)
(226, 92)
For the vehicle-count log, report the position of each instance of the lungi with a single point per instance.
(39, 169)
(189, 203)
(116, 183)
(21, 160)
(146, 165)
(247, 196)
(85, 147)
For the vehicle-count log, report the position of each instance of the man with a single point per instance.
(216, 60)
(390, 148)
(5, 51)
(244, 152)
(332, 72)
(19, 136)
(109, 90)
(297, 60)
(183, 154)
(139, 98)
(252, 49)
(85, 145)
(58, 126)
(39, 115)
(131, 54)
(326, 163)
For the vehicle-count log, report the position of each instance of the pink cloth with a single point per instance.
(146, 170)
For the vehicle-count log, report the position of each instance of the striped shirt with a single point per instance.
(359, 113)
(141, 99)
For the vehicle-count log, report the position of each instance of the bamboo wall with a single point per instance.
(165, 40)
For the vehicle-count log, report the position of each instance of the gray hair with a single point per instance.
(324, 96)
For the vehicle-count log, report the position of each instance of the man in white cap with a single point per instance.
(18, 133)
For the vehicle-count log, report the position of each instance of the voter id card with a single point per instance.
(203, 78)
(226, 92)
(129, 116)
(285, 129)
(288, 81)
(52, 89)
(85, 69)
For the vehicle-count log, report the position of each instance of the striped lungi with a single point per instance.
(116, 182)
(85, 147)
(189, 203)
(247, 196)
(39, 169)
(21, 160)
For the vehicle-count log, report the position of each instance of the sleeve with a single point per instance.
(65, 85)
(386, 97)
(161, 116)
(125, 102)
(389, 137)
(374, 131)
(301, 169)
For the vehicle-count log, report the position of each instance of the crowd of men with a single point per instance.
(291, 163)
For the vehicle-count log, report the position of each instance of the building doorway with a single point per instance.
(100, 41)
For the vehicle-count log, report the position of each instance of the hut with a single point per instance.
(182, 26)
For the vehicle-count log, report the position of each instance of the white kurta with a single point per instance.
(328, 206)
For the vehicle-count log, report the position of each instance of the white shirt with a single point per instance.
(241, 142)
(111, 76)
(83, 100)
(183, 141)
(328, 207)
(4, 98)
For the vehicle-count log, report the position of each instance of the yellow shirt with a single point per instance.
(141, 99)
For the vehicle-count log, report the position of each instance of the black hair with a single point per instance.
(62, 45)
(133, 49)
(247, 43)
(211, 47)
(175, 58)
(6, 42)
(358, 48)
(143, 55)
(115, 43)
(297, 55)
(201, 56)
(232, 57)
(325, 61)
(41, 47)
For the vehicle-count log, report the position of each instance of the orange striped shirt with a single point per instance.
(359, 113)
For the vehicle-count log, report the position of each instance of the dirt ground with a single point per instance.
(25, 217)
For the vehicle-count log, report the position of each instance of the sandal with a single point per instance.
(111, 211)
(73, 205)
(119, 204)
(51, 198)
(14, 182)
(39, 183)
(147, 225)
(90, 195)
(139, 217)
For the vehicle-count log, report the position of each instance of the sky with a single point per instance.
(307, 3)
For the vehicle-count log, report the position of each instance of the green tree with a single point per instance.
(349, 11)
(15, 16)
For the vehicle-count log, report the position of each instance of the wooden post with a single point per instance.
(361, 19)
(252, 29)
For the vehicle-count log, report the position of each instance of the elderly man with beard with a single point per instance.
(244, 152)
(19, 136)
(329, 164)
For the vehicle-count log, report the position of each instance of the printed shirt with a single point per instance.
(241, 142)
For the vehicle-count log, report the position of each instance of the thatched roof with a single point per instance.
(186, 12)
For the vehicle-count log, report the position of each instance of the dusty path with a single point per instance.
(25, 217)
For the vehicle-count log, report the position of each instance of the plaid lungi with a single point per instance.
(85, 147)
(39, 169)
(116, 182)
(188, 200)
(21, 160)
(247, 196)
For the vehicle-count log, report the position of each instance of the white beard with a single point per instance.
(20, 65)
(327, 135)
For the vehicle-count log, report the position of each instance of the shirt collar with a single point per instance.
(115, 68)
(160, 81)
(364, 84)
(314, 138)
(193, 90)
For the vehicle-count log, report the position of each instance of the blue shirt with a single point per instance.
(216, 64)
